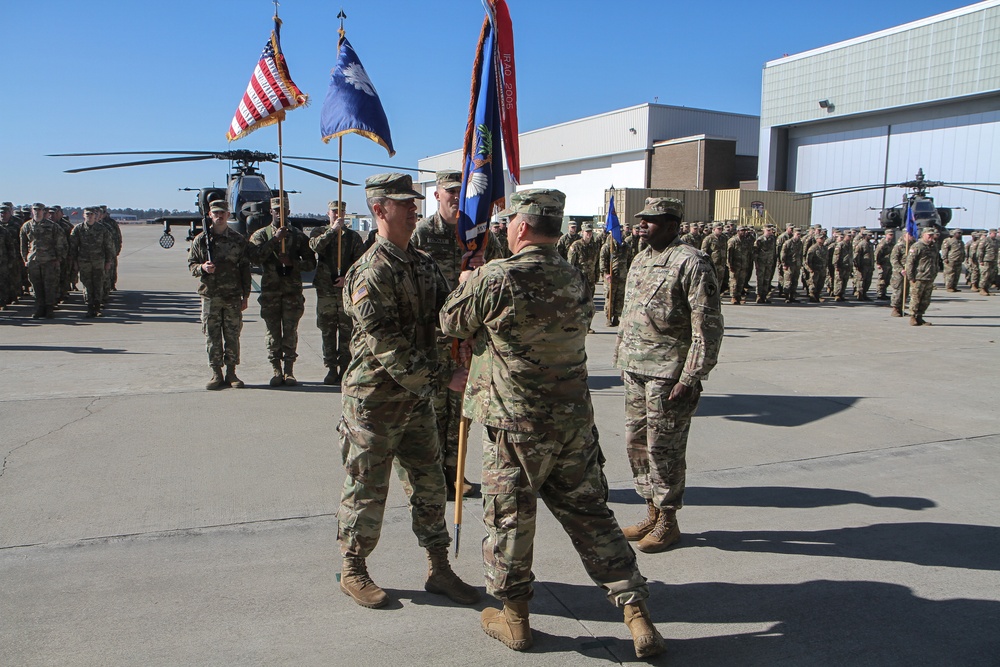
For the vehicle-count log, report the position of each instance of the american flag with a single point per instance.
(270, 92)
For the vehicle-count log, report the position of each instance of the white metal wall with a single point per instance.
(585, 181)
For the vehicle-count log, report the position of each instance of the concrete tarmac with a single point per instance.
(841, 505)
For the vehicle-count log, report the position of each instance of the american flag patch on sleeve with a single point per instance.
(359, 294)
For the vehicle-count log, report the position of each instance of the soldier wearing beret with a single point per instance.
(393, 294)
(92, 250)
(528, 316)
(337, 248)
(669, 341)
(220, 259)
(438, 236)
(44, 248)
(283, 254)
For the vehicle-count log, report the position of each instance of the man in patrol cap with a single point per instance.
(393, 294)
(669, 340)
(44, 248)
(529, 315)
(92, 249)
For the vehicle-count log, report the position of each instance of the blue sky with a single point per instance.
(116, 75)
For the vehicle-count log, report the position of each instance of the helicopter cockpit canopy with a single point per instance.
(249, 188)
(924, 211)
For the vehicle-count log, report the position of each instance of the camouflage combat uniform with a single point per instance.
(921, 270)
(864, 267)
(334, 324)
(585, 255)
(615, 260)
(791, 257)
(394, 295)
(222, 293)
(671, 332)
(986, 258)
(6, 267)
(765, 256)
(715, 247)
(883, 251)
(565, 241)
(953, 255)
(92, 250)
(816, 260)
(842, 265)
(528, 385)
(739, 263)
(897, 258)
(111, 276)
(44, 248)
(281, 300)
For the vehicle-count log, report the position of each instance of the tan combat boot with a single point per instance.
(646, 639)
(217, 381)
(289, 375)
(896, 312)
(641, 529)
(914, 322)
(355, 582)
(231, 378)
(278, 378)
(442, 580)
(665, 534)
(509, 625)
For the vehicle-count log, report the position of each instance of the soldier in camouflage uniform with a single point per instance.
(791, 264)
(283, 254)
(883, 252)
(528, 385)
(714, 246)
(66, 281)
(15, 265)
(7, 264)
(632, 240)
(438, 237)
(669, 340)
(334, 324)
(779, 243)
(897, 258)
(986, 258)
(921, 270)
(615, 260)
(44, 248)
(953, 255)
(111, 276)
(225, 292)
(92, 251)
(738, 261)
(584, 254)
(971, 265)
(864, 265)
(393, 293)
(816, 260)
(842, 265)
(567, 239)
(765, 256)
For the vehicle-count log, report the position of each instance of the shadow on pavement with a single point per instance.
(795, 497)
(773, 410)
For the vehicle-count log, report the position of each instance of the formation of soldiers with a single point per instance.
(43, 257)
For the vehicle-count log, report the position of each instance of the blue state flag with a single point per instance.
(911, 223)
(612, 226)
(482, 170)
(352, 104)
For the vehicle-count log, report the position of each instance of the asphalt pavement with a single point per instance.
(841, 505)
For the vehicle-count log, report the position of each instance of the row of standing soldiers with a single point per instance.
(42, 250)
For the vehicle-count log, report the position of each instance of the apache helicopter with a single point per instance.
(916, 202)
(247, 192)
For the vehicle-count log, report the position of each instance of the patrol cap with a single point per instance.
(7, 204)
(587, 227)
(276, 202)
(90, 209)
(391, 185)
(717, 225)
(336, 205)
(505, 215)
(545, 202)
(219, 205)
(38, 205)
(449, 179)
(659, 206)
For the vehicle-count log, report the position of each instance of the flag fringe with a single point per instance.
(270, 120)
(477, 66)
(364, 133)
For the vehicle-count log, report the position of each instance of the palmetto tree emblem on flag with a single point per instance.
(479, 182)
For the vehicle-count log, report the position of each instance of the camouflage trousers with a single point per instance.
(281, 314)
(45, 283)
(111, 277)
(816, 280)
(656, 434)
(447, 406)
(221, 322)
(765, 274)
(952, 272)
(614, 298)
(863, 280)
(738, 282)
(896, 300)
(987, 275)
(841, 275)
(565, 469)
(791, 281)
(372, 435)
(335, 327)
(722, 276)
(920, 296)
(973, 276)
(92, 277)
(884, 278)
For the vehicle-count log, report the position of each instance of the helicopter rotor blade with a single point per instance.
(845, 191)
(991, 185)
(193, 158)
(959, 187)
(364, 164)
(317, 173)
(133, 153)
(852, 187)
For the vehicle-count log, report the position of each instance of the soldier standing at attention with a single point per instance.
(528, 385)
(883, 251)
(986, 258)
(765, 255)
(393, 293)
(816, 260)
(567, 239)
(921, 270)
(898, 260)
(8, 247)
(44, 248)
(668, 342)
(953, 255)
(714, 246)
(864, 265)
(791, 264)
(779, 243)
(111, 276)
(67, 281)
(972, 277)
(738, 263)
(438, 237)
(842, 265)
(283, 254)
(334, 324)
(584, 254)
(225, 290)
(615, 260)
(92, 250)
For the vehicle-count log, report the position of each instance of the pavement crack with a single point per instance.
(3, 468)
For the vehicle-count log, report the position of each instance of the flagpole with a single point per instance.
(340, 160)
(281, 188)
